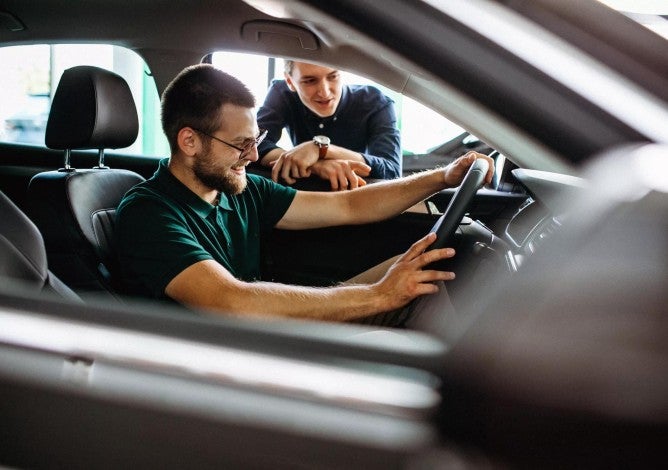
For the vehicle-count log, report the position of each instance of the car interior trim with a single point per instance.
(547, 52)
(348, 387)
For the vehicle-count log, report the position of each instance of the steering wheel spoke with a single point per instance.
(447, 224)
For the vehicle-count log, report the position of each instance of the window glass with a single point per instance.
(256, 72)
(30, 75)
(421, 128)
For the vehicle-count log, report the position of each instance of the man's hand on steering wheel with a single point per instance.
(455, 171)
(470, 172)
(407, 278)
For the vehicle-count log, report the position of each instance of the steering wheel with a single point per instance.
(446, 225)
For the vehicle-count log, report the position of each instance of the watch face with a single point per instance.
(321, 140)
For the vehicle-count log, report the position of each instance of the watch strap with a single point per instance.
(322, 151)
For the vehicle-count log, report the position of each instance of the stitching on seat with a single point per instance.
(12, 247)
(94, 217)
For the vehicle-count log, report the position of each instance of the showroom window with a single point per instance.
(30, 75)
(421, 128)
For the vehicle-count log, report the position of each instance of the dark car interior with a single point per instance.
(557, 354)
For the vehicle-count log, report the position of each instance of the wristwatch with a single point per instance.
(322, 141)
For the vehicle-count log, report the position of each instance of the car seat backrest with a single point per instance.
(22, 254)
(74, 208)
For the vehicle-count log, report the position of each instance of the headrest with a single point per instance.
(92, 109)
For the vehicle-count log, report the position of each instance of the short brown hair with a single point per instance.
(195, 98)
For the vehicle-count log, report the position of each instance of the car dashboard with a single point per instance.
(541, 215)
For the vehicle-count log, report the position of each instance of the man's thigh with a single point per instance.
(435, 314)
(374, 274)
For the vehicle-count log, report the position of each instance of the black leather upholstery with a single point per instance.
(92, 109)
(75, 209)
(76, 213)
(22, 254)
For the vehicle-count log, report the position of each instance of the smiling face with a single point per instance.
(218, 165)
(318, 87)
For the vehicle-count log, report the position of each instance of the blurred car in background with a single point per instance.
(29, 124)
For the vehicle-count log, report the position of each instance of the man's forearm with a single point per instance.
(340, 153)
(208, 285)
(385, 199)
(371, 203)
(340, 304)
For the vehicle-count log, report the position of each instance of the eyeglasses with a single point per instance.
(247, 148)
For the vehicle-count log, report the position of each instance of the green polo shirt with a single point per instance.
(162, 227)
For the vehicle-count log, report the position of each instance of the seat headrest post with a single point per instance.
(66, 163)
(100, 163)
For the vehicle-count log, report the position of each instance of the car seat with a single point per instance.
(74, 208)
(23, 258)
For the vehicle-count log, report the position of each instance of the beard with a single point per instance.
(215, 177)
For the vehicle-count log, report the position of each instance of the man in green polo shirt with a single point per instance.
(191, 233)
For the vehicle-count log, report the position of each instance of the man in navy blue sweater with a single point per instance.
(341, 133)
